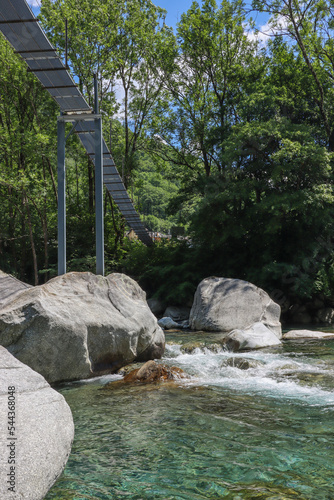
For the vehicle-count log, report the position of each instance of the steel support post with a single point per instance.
(99, 223)
(61, 198)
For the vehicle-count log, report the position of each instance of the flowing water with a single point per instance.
(255, 425)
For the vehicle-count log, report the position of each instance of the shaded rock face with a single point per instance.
(255, 337)
(43, 427)
(223, 304)
(156, 306)
(177, 313)
(79, 325)
(10, 287)
(326, 315)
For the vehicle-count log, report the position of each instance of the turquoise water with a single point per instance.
(223, 433)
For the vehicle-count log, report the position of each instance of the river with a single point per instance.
(255, 425)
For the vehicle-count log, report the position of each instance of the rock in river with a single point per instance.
(307, 334)
(154, 372)
(79, 325)
(255, 337)
(168, 323)
(36, 443)
(223, 304)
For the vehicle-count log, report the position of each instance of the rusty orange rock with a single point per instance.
(154, 372)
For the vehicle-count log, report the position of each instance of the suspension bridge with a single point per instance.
(22, 30)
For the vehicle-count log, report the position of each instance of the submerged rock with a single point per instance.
(43, 430)
(191, 347)
(255, 337)
(223, 304)
(154, 372)
(243, 363)
(307, 334)
(79, 325)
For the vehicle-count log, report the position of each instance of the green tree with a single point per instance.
(118, 40)
(309, 26)
(27, 179)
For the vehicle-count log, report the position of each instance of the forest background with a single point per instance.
(223, 141)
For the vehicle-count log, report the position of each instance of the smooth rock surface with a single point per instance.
(43, 427)
(223, 304)
(255, 337)
(10, 287)
(79, 325)
(307, 334)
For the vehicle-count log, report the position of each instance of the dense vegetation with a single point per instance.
(225, 138)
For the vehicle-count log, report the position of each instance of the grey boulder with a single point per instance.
(307, 334)
(255, 337)
(168, 323)
(223, 304)
(156, 306)
(10, 287)
(79, 325)
(326, 315)
(36, 443)
(177, 313)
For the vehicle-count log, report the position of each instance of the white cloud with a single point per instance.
(267, 30)
(34, 3)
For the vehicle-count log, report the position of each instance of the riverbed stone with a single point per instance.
(223, 304)
(43, 433)
(79, 325)
(168, 324)
(151, 371)
(243, 363)
(255, 337)
(307, 334)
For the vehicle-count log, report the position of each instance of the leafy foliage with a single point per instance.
(211, 132)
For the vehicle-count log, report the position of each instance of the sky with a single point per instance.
(174, 9)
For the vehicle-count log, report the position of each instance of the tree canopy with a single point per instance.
(230, 140)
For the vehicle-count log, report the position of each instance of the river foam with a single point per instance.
(275, 375)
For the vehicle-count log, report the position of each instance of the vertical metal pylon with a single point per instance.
(97, 137)
(99, 218)
(61, 197)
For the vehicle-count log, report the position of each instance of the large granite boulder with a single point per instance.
(79, 325)
(223, 305)
(36, 431)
